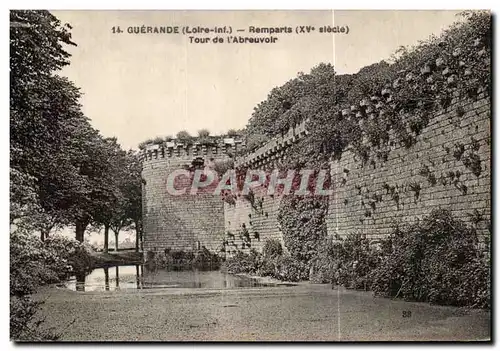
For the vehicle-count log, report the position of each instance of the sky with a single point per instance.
(139, 86)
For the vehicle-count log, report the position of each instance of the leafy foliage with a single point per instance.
(24, 321)
(34, 263)
(289, 269)
(243, 262)
(232, 133)
(359, 110)
(184, 136)
(272, 248)
(203, 260)
(203, 133)
(282, 267)
(63, 172)
(436, 260)
(59, 160)
(303, 225)
(348, 261)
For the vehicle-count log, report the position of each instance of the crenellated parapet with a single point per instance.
(273, 149)
(175, 149)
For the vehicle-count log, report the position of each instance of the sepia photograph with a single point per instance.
(250, 175)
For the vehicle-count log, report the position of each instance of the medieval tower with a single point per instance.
(185, 222)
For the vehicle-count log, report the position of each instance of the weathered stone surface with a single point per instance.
(182, 222)
(185, 222)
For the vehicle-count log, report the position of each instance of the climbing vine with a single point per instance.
(302, 221)
(362, 110)
(371, 113)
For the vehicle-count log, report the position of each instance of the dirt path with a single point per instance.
(304, 312)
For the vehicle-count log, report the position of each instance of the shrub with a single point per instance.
(244, 262)
(255, 140)
(157, 260)
(24, 324)
(268, 268)
(34, 263)
(222, 166)
(142, 145)
(349, 262)
(203, 133)
(325, 265)
(28, 264)
(272, 248)
(436, 260)
(181, 255)
(232, 133)
(357, 262)
(183, 136)
(206, 260)
(290, 269)
(275, 266)
(302, 220)
(76, 254)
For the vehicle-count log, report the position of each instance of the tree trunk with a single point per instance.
(80, 230)
(116, 241)
(141, 235)
(44, 233)
(106, 237)
(137, 239)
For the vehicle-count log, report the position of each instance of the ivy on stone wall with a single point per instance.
(369, 111)
(302, 221)
(363, 110)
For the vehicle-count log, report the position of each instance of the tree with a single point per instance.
(58, 178)
(44, 110)
(91, 192)
(133, 194)
(124, 209)
(119, 222)
(40, 105)
(112, 181)
(233, 133)
(54, 149)
(184, 136)
(36, 106)
(203, 133)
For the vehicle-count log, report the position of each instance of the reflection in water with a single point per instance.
(80, 281)
(106, 278)
(117, 278)
(138, 274)
(133, 277)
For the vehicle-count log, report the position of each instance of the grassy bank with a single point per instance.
(103, 259)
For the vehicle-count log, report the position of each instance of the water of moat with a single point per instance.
(134, 277)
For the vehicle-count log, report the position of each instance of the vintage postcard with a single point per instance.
(250, 175)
